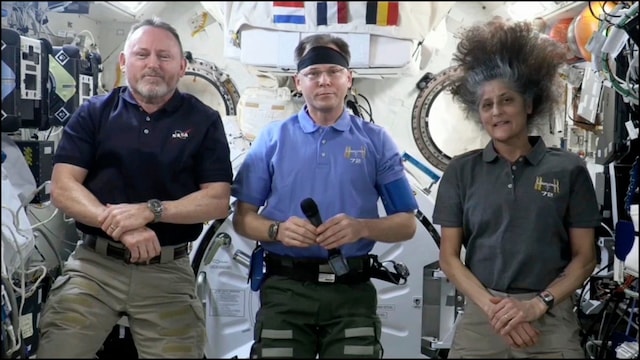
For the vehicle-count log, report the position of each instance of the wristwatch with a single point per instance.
(547, 298)
(156, 208)
(273, 230)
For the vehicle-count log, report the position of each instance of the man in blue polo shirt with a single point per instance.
(344, 165)
(139, 169)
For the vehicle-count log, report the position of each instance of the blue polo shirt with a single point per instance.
(338, 166)
(132, 156)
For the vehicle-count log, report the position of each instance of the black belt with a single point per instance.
(317, 270)
(120, 252)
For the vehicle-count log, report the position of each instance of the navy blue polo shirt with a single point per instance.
(132, 156)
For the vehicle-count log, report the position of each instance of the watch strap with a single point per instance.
(274, 228)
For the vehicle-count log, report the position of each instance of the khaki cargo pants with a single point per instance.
(165, 316)
(559, 335)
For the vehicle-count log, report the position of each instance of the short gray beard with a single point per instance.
(152, 94)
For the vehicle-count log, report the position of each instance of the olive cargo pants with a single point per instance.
(302, 319)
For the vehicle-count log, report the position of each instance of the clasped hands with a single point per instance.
(126, 223)
(339, 230)
(511, 318)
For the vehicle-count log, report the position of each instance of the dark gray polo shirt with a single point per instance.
(515, 218)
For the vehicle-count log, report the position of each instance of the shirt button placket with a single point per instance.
(146, 130)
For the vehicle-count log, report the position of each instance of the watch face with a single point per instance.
(156, 205)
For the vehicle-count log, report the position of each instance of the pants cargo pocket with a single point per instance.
(199, 328)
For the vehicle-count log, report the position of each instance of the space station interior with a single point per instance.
(56, 55)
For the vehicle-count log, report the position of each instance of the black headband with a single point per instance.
(323, 55)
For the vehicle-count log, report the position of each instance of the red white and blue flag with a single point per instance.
(288, 12)
(332, 12)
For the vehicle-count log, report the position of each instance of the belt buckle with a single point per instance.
(325, 275)
(326, 278)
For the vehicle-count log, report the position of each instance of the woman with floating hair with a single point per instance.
(525, 213)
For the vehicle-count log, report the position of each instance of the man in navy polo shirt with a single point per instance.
(345, 165)
(139, 169)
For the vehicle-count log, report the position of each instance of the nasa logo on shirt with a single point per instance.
(179, 134)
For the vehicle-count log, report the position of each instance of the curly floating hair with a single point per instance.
(513, 52)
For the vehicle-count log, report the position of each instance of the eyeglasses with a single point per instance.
(315, 75)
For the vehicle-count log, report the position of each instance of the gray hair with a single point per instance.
(156, 23)
(527, 61)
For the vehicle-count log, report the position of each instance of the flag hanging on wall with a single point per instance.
(288, 12)
(382, 13)
(332, 12)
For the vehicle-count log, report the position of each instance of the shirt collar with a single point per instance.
(534, 156)
(171, 105)
(309, 126)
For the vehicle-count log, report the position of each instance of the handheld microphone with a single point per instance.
(310, 210)
(337, 262)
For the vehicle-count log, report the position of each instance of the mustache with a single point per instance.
(152, 73)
